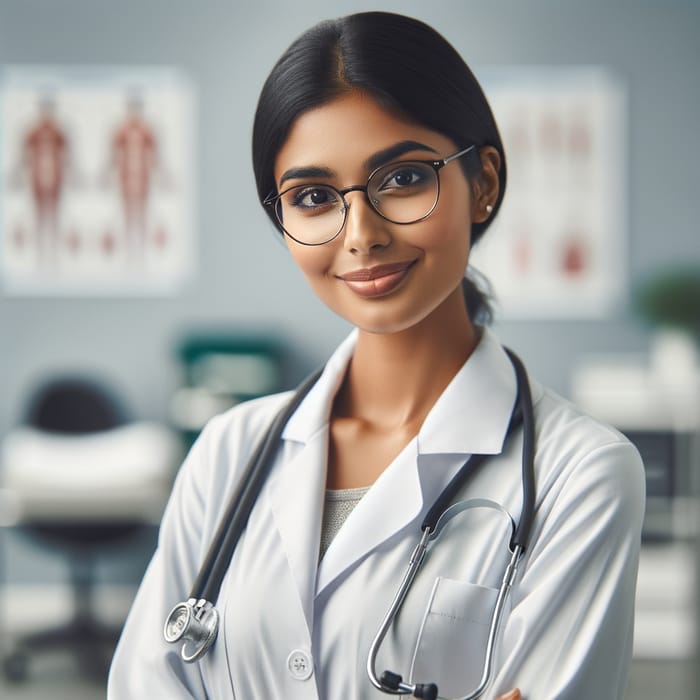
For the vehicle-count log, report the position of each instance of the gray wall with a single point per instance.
(245, 276)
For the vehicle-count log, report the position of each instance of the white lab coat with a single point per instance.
(296, 629)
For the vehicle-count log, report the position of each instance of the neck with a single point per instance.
(395, 378)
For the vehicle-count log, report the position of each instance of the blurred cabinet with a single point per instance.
(222, 369)
(656, 402)
(670, 465)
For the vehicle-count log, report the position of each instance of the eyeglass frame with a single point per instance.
(437, 166)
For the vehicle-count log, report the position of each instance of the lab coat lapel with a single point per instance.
(296, 499)
(391, 504)
(297, 485)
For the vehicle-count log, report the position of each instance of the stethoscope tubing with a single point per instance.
(401, 592)
(521, 537)
(208, 582)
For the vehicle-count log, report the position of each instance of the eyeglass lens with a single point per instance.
(400, 192)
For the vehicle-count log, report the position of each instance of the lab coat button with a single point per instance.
(299, 665)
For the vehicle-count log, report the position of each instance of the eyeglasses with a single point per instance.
(403, 192)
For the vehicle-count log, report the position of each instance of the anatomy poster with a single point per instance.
(558, 246)
(96, 181)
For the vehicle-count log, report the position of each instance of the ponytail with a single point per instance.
(478, 300)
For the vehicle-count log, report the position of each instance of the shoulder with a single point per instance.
(577, 454)
(218, 457)
(562, 424)
(239, 428)
(228, 439)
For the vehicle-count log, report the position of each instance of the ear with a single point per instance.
(486, 186)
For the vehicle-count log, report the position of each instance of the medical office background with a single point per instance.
(228, 315)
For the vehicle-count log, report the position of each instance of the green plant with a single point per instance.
(672, 299)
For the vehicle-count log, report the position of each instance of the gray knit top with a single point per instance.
(338, 506)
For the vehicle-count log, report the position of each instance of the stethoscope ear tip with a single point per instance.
(427, 691)
(393, 682)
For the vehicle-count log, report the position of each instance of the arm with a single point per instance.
(569, 633)
(144, 664)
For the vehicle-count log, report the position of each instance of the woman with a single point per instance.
(377, 157)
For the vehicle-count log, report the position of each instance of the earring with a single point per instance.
(489, 208)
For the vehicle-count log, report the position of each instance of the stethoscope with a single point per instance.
(196, 621)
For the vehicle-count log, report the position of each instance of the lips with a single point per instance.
(373, 273)
(378, 280)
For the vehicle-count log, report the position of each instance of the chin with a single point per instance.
(383, 321)
(393, 313)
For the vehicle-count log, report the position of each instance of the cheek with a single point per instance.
(452, 233)
(314, 262)
(449, 226)
(446, 236)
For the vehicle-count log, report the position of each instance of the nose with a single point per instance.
(364, 230)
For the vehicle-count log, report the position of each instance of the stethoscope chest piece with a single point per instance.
(196, 623)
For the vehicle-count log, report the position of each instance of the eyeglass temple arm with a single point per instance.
(459, 154)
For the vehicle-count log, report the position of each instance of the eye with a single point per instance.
(403, 176)
(312, 197)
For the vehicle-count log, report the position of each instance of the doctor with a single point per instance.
(377, 157)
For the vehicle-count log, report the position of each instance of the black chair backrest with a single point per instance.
(74, 405)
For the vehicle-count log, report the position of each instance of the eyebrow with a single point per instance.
(386, 155)
(301, 173)
(396, 151)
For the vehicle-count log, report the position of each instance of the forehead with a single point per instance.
(344, 133)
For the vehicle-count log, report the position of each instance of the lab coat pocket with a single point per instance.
(451, 646)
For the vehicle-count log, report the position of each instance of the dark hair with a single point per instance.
(407, 67)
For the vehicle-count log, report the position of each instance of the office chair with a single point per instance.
(64, 410)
